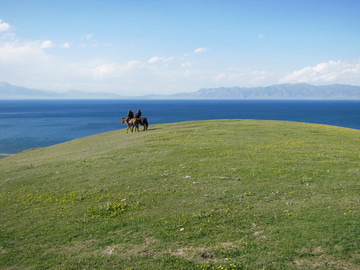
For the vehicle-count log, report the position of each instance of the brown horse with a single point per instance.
(133, 123)
(144, 122)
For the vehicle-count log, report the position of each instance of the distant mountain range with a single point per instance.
(279, 91)
(8, 91)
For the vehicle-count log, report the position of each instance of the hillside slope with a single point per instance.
(225, 194)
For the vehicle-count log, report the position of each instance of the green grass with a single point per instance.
(225, 194)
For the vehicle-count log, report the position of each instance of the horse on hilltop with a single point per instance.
(131, 124)
(134, 123)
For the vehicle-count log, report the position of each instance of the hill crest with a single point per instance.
(189, 195)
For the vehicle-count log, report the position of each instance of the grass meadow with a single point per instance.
(222, 194)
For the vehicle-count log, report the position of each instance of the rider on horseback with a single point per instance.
(136, 120)
(130, 115)
(138, 114)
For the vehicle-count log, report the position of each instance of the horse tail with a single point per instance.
(144, 122)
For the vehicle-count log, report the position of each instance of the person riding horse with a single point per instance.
(130, 120)
(138, 114)
(130, 115)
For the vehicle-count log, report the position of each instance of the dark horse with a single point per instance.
(144, 122)
(133, 123)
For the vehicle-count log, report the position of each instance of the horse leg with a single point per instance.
(128, 127)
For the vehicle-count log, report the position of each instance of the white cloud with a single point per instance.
(47, 44)
(90, 42)
(4, 26)
(188, 64)
(89, 36)
(30, 64)
(200, 50)
(115, 70)
(158, 59)
(328, 72)
(106, 71)
(65, 45)
(133, 64)
(27, 64)
(14, 53)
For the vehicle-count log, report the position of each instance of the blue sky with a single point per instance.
(139, 47)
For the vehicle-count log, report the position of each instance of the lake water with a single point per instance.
(26, 124)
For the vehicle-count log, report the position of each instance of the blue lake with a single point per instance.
(28, 124)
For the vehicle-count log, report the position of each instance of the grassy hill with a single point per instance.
(225, 194)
